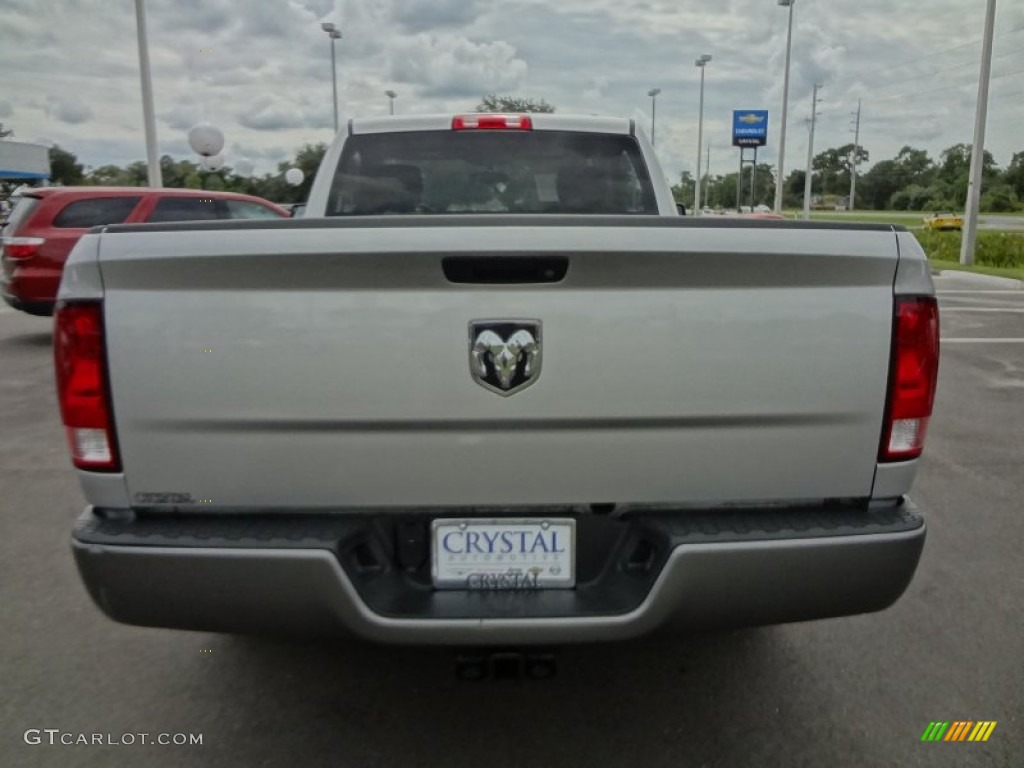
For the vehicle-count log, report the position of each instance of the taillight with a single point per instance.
(914, 369)
(485, 121)
(83, 387)
(21, 247)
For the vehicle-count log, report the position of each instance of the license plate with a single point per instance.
(504, 554)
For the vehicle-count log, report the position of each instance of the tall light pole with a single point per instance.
(978, 147)
(148, 116)
(391, 99)
(701, 61)
(810, 153)
(334, 34)
(853, 160)
(780, 179)
(653, 93)
(707, 175)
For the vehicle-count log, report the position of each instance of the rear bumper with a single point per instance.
(341, 574)
(37, 308)
(14, 292)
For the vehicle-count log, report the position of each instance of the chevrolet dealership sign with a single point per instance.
(749, 127)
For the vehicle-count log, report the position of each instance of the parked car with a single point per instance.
(47, 222)
(295, 210)
(944, 221)
(384, 417)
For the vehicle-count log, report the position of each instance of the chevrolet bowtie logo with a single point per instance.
(751, 119)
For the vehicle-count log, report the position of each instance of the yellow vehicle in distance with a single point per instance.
(944, 221)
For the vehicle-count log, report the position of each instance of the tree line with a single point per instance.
(67, 170)
(911, 181)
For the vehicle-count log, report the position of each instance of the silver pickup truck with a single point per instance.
(492, 389)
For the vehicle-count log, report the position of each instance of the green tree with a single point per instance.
(1014, 174)
(878, 185)
(793, 189)
(832, 169)
(915, 167)
(955, 170)
(213, 181)
(492, 102)
(1000, 199)
(65, 168)
(107, 176)
(308, 160)
(683, 191)
(177, 173)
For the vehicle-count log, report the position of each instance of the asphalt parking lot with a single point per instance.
(847, 692)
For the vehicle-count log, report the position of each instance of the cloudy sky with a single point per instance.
(260, 69)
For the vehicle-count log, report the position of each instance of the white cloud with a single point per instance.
(72, 111)
(260, 70)
(448, 65)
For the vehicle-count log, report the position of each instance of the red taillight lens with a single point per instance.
(485, 121)
(915, 367)
(82, 386)
(21, 247)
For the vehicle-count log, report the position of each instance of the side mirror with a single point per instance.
(681, 209)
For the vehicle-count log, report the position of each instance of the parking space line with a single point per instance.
(1017, 291)
(1011, 310)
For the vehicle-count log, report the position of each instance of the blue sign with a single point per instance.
(749, 127)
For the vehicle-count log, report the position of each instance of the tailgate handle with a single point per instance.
(505, 270)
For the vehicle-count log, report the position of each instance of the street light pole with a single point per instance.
(978, 147)
(653, 93)
(707, 175)
(334, 34)
(701, 61)
(810, 154)
(148, 116)
(780, 179)
(391, 100)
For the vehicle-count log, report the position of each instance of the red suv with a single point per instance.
(46, 223)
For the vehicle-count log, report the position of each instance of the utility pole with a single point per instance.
(978, 147)
(810, 153)
(853, 160)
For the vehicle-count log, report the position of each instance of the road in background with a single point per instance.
(914, 218)
(856, 691)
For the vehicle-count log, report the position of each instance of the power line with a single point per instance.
(933, 54)
(1007, 74)
(945, 87)
(937, 72)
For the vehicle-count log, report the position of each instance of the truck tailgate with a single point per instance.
(327, 364)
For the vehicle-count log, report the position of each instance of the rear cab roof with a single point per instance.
(540, 121)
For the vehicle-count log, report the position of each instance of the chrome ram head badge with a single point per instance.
(505, 355)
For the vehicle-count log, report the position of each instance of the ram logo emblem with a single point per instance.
(505, 355)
